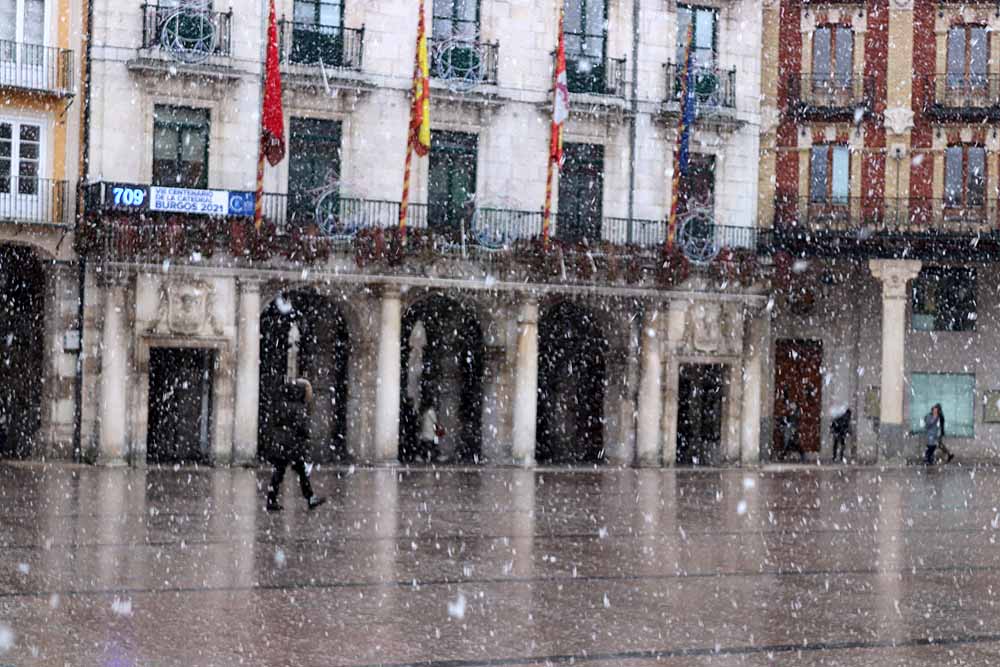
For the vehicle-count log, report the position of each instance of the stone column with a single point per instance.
(247, 374)
(113, 446)
(650, 390)
(387, 387)
(526, 384)
(498, 380)
(676, 321)
(755, 352)
(894, 274)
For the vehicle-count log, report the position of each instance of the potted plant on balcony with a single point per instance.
(735, 265)
(674, 268)
(307, 245)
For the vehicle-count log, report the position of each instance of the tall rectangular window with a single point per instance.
(585, 30)
(829, 174)
(317, 32)
(180, 147)
(965, 176)
(314, 172)
(452, 179)
(944, 299)
(20, 157)
(833, 56)
(22, 30)
(581, 192)
(704, 21)
(967, 56)
(954, 391)
(456, 19)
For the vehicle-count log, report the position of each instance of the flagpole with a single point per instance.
(420, 102)
(547, 215)
(404, 205)
(676, 184)
(258, 199)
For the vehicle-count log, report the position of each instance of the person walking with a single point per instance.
(841, 428)
(790, 431)
(942, 448)
(933, 428)
(429, 434)
(291, 442)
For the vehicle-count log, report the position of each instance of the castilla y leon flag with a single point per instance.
(419, 134)
(560, 112)
(687, 116)
(272, 124)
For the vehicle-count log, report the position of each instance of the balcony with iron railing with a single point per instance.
(905, 225)
(591, 72)
(40, 201)
(308, 45)
(464, 63)
(36, 68)
(714, 88)
(974, 97)
(830, 96)
(179, 35)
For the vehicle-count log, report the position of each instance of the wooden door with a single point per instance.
(798, 380)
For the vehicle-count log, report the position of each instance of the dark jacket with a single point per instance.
(290, 430)
(934, 430)
(841, 426)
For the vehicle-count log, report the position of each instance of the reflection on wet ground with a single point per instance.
(447, 568)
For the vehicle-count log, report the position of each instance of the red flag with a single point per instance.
(560, 103)
(273, 120)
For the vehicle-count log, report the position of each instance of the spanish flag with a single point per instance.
(419, 135)
(560, 113)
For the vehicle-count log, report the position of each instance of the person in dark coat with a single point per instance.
(290, 434)
(790, 431)
(934, 430)
(942, 448)
(841, 428)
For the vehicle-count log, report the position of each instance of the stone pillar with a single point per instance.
(498, 381)
(247, 374)
(755, 353)
(113, 446)
(676, 320)
(526, 384)
(389, 369)
(650, 390)
(894, 274)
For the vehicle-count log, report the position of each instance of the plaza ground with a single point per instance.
(465, 567)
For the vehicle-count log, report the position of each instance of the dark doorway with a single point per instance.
(314, 172)
(180, 405)
(699, 414)
(451, 183)
(304, 335)
(22, 312)
(442, 370)
(571, 384)
(581, 193)
(798, 382)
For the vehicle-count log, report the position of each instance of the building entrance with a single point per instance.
(699, 415)
(180, 405)
(798, 398)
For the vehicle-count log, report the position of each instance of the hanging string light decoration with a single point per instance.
(188, 32)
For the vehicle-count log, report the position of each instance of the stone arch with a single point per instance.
(572, 380)
(441, 368)
(319, 350)
(22, 362)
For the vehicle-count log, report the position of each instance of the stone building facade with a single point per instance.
(590, 352)
(879, 171)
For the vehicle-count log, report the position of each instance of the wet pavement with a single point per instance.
(463, 567)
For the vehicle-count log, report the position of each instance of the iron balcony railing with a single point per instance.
(321, 46)
(186, 33)
(35, 200)
(714, 88)
(587, 72)
(337, 216)
(891, 215)
(830, 91)
(964, 91)
(36, 67)
(465, 62)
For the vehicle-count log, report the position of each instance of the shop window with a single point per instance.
(944, 299)
(180, 147)
(956, 394)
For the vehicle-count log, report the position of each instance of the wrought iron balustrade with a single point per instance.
(871, 215)
(590, 73)
(188, 34)
(714, 88)
(321, 46)
(831, 92)
(36, 67)
(466, 63)
(36, 200)
(963, 91)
